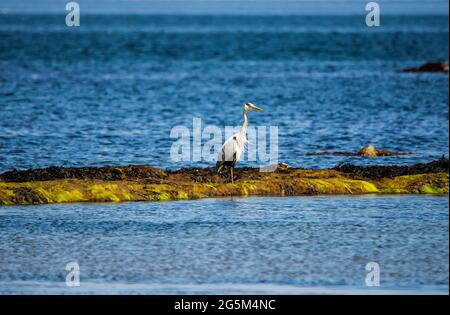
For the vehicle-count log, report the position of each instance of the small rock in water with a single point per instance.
(369, 151)
(275, 167)
(283, 166)
(430, 67)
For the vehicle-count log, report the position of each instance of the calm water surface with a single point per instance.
(240, 245)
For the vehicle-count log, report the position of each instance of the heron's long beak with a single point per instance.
(255, 107)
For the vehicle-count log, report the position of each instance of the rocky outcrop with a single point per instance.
(429, 67)
(369, 151)
(146, 183)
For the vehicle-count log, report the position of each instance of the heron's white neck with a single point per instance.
(245, 124)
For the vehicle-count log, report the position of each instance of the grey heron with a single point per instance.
(232, 149)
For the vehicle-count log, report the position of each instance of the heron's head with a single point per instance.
(249, 106)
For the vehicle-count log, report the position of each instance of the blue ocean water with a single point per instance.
(285, 245)
(111, 90)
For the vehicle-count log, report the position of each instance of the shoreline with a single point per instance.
(147, 183)
(104, 287)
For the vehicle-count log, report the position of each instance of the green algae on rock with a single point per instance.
(146, 183)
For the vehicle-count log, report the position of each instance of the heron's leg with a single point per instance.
(232, 179)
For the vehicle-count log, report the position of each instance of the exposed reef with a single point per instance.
(146, 183)
(369, 151)
(377, 172)
(103, 173)
(429, 67)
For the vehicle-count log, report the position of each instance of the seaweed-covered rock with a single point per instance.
(146, 183)
(103, 173)
(390, 171)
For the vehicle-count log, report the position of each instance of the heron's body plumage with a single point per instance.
(234, 146)
(232, 150)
